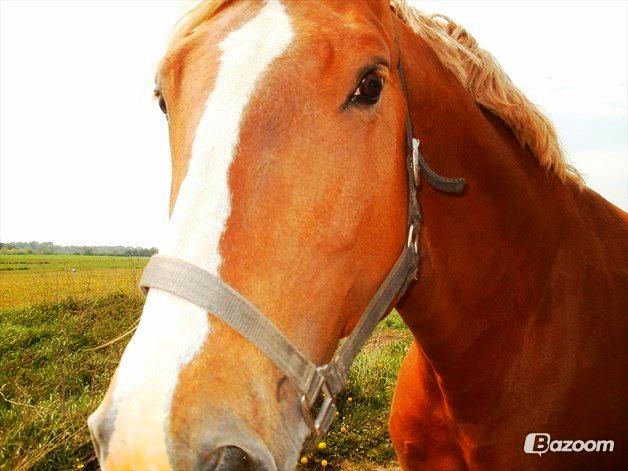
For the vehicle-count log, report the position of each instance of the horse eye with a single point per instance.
(370, 89)
(162, 104)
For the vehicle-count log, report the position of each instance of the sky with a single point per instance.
(84, 153)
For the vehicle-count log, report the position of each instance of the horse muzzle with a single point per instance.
(249, 453)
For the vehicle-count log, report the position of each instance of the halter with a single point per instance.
(209, 292)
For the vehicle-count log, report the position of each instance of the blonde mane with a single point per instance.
(476, 69)
(483, 77)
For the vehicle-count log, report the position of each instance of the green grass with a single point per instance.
(52, 376)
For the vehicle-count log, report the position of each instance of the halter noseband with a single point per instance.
(209, 292)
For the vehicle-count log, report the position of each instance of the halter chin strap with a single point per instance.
(200, 287)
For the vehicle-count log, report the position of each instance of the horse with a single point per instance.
(289, 125)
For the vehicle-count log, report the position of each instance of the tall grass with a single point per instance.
(51, 377)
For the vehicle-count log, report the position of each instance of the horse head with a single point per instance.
(288, 135)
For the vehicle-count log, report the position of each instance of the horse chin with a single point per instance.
(286, 446)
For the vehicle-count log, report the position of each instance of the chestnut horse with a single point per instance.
(287, 129)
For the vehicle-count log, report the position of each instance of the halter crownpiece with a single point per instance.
(209, 292)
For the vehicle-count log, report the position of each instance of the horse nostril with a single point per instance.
(228, 458)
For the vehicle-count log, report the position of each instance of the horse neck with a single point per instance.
(487, 254)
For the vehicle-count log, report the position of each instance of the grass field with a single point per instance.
(31, 279)
(54, 370)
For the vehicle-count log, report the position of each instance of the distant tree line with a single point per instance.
(48, 248)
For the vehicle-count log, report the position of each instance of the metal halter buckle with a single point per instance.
(413, 238)
(415, 160)
(326, 413)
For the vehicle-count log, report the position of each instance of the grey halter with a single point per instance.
(199, 287)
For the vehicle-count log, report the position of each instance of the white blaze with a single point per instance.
(171, 330)
(204, 202)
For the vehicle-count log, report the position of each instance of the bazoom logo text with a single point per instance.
(540, 443)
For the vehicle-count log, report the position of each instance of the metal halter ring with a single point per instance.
(319, 425)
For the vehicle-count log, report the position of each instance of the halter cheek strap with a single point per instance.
(200, 287)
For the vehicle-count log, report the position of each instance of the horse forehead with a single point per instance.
(342, 11)
(191, 63)
(349, 22)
